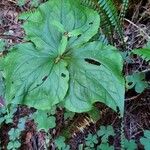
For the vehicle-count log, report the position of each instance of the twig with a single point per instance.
(140, 29)
(132, 98)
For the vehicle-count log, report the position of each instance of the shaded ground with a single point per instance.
(137, 106)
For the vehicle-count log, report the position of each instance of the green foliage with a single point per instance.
(136, 80)
(44, 119)
(109, 8)
(143, 52)
(130, 145)
(33, 3)
(21, 2)
(80, 147)
(109, 16)
(13, 145)
(105, 146)
(61, 65)
(2, 44)
(125, 4)
(94, 114)
(60, 144)
(7, 115)
(1, 86)
(68, 115)
(105, 132)
(145, 141)
(91, 140)
(14, 135)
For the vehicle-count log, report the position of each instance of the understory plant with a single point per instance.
(14, 135)
(66, 59)
(92, 141)
(60, 63)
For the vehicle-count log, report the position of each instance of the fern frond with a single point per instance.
(124, 8)
(144, 53)
(109, 16)
(110, 9)
(106, 27)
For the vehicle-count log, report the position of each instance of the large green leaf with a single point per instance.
(46, 26)
(61, 65)
(33, 78)
(95, 75)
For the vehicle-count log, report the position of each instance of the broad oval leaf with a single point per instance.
(33, 78)
(95, 75)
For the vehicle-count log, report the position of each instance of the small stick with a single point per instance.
(132, 98)
(138, 28)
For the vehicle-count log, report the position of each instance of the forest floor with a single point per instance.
(137, 106)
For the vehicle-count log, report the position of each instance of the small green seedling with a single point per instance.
(137, 81)
(145, 141)
(105, 146)
(130, 145)
(44, 119)
(60, 143)
(91, 140)
(7, 115)
(14, 135)
(104, 132)
(143, 52)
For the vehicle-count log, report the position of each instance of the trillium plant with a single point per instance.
(60, 62)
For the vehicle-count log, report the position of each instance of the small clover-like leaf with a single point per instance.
(13, 145)
(21, 124)
(105, 132)
(136, 80)
(144, 52)
(91, 140)
(60, 142)
(147, 133)
(146, 140)
(105, 146)
(14, 134)
(130, 145)
(44, 121)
